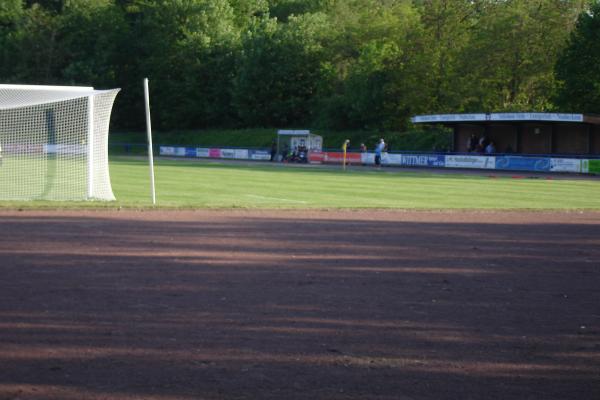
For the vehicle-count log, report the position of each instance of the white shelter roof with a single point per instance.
(287, 132)
(521, 117)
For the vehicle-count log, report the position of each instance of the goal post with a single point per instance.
(54, 142)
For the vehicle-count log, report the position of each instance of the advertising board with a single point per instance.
(390, 159)
(334, 157)
(513, 163)
(448, 118)
(167, 151)
(316, 157)
(227, 153)
(214, 153)
(202, 152)
(594, 167)
(259, 155)
(565, 165)
(240, 154)
(554, 117)
(480, 162)
(367, 158)
(70, 149)
(423, 160)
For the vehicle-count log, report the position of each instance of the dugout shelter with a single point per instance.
(524, 133)
(288, 140)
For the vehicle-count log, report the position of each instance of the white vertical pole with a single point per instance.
(90, 147)
(149, 132)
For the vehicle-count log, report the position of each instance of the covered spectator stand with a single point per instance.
(524, 133)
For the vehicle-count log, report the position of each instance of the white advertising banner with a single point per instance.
(167, 151)
(565, 165)
(297, 132)
(449, 118)
(479, 162)
(65, 149)
(261, 155)
(202, 152)
(391, 159)
(241, 154)
(367, 158)
(555, 117)
(227, 153)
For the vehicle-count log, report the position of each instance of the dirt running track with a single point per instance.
(299, 305)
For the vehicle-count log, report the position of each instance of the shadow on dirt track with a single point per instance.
(299, 305)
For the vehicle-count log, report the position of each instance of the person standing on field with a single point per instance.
(378, 151)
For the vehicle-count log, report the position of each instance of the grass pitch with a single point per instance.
(192, 184)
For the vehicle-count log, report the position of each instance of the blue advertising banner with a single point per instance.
(423, 160)
(523, 163)
(190, 152)
(259, 155)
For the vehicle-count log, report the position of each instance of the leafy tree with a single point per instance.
(279, 69)
(10, 12)
(447, 28)
(55, 6)
(185, 47)
(373, 82)
(37, 52)
(11, 16)
(246, 11)
(578, 67)
(91, 32)
(348, 64)
(283, 9)
(511, 56)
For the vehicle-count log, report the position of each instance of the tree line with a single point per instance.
(335, 64)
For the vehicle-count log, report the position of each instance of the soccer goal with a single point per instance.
(54, 143)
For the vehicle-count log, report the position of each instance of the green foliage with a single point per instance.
(449, 27)
(366, 71)
(329, 64)
(11, 14)
(578, 67)
(514, 51)
(415, 139)
(278, 71)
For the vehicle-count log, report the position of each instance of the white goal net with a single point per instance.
(54, 143)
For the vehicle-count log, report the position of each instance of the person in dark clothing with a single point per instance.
(273, 150)
(472, 143)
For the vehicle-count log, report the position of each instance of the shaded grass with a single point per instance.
(193, 184)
